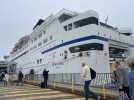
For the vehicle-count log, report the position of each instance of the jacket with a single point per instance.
(122, 77)
(86, 75)
(131, 84)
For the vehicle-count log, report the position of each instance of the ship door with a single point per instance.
(12, 71)
(117, 53)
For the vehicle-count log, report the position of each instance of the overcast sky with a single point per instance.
(17, 17)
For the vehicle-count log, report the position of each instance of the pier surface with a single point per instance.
(30, 92)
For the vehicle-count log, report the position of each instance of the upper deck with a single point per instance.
(66, 25)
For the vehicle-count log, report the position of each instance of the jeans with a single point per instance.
(45, 81)
(87, 91)
(124, 93)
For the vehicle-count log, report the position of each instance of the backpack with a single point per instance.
(93, 73)
(114, 76)
(42, 84)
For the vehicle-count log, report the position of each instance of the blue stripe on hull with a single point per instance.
(76, 41)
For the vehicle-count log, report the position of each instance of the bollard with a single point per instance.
(72, 84)
(54, 84)
(104, 92)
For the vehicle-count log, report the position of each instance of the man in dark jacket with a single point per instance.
(45, 76)
(20, 78)
(2, 77)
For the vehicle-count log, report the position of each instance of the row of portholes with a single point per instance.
(39, 61)
(80, 54)
(41, 43)
(65, 54)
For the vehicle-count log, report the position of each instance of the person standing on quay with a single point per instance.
(2, 77)
(20, 78)
(122, 81)
(86, 75)
(6, 79)
(45, 76)
(131, 78)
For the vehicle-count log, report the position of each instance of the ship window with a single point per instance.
(44, 32)
(65, 57)
(38, 61)
(39, 44)
(64, 17)
(86, 21)
(86, 47)
(70, 26)
(44, 41)
(35, 39)
(51, 37)
(40, 35)
(34, 47)
(65, 27)
(32, 41)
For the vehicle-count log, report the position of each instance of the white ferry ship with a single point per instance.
(62, 41)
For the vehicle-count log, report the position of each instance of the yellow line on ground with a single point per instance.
(13, 90)
(30, 94)
(27, 85)
(26, 91)
(1, 88)
(43, 97)
(78, 99)
(17, 88)
(107, 91)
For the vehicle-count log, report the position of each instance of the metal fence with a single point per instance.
(101, 80)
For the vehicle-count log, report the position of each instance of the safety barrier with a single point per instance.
(101, 80)
(102, 83)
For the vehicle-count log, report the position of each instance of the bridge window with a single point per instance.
(86, 21)
(64, 17)
(86, 47)
(80, 23)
